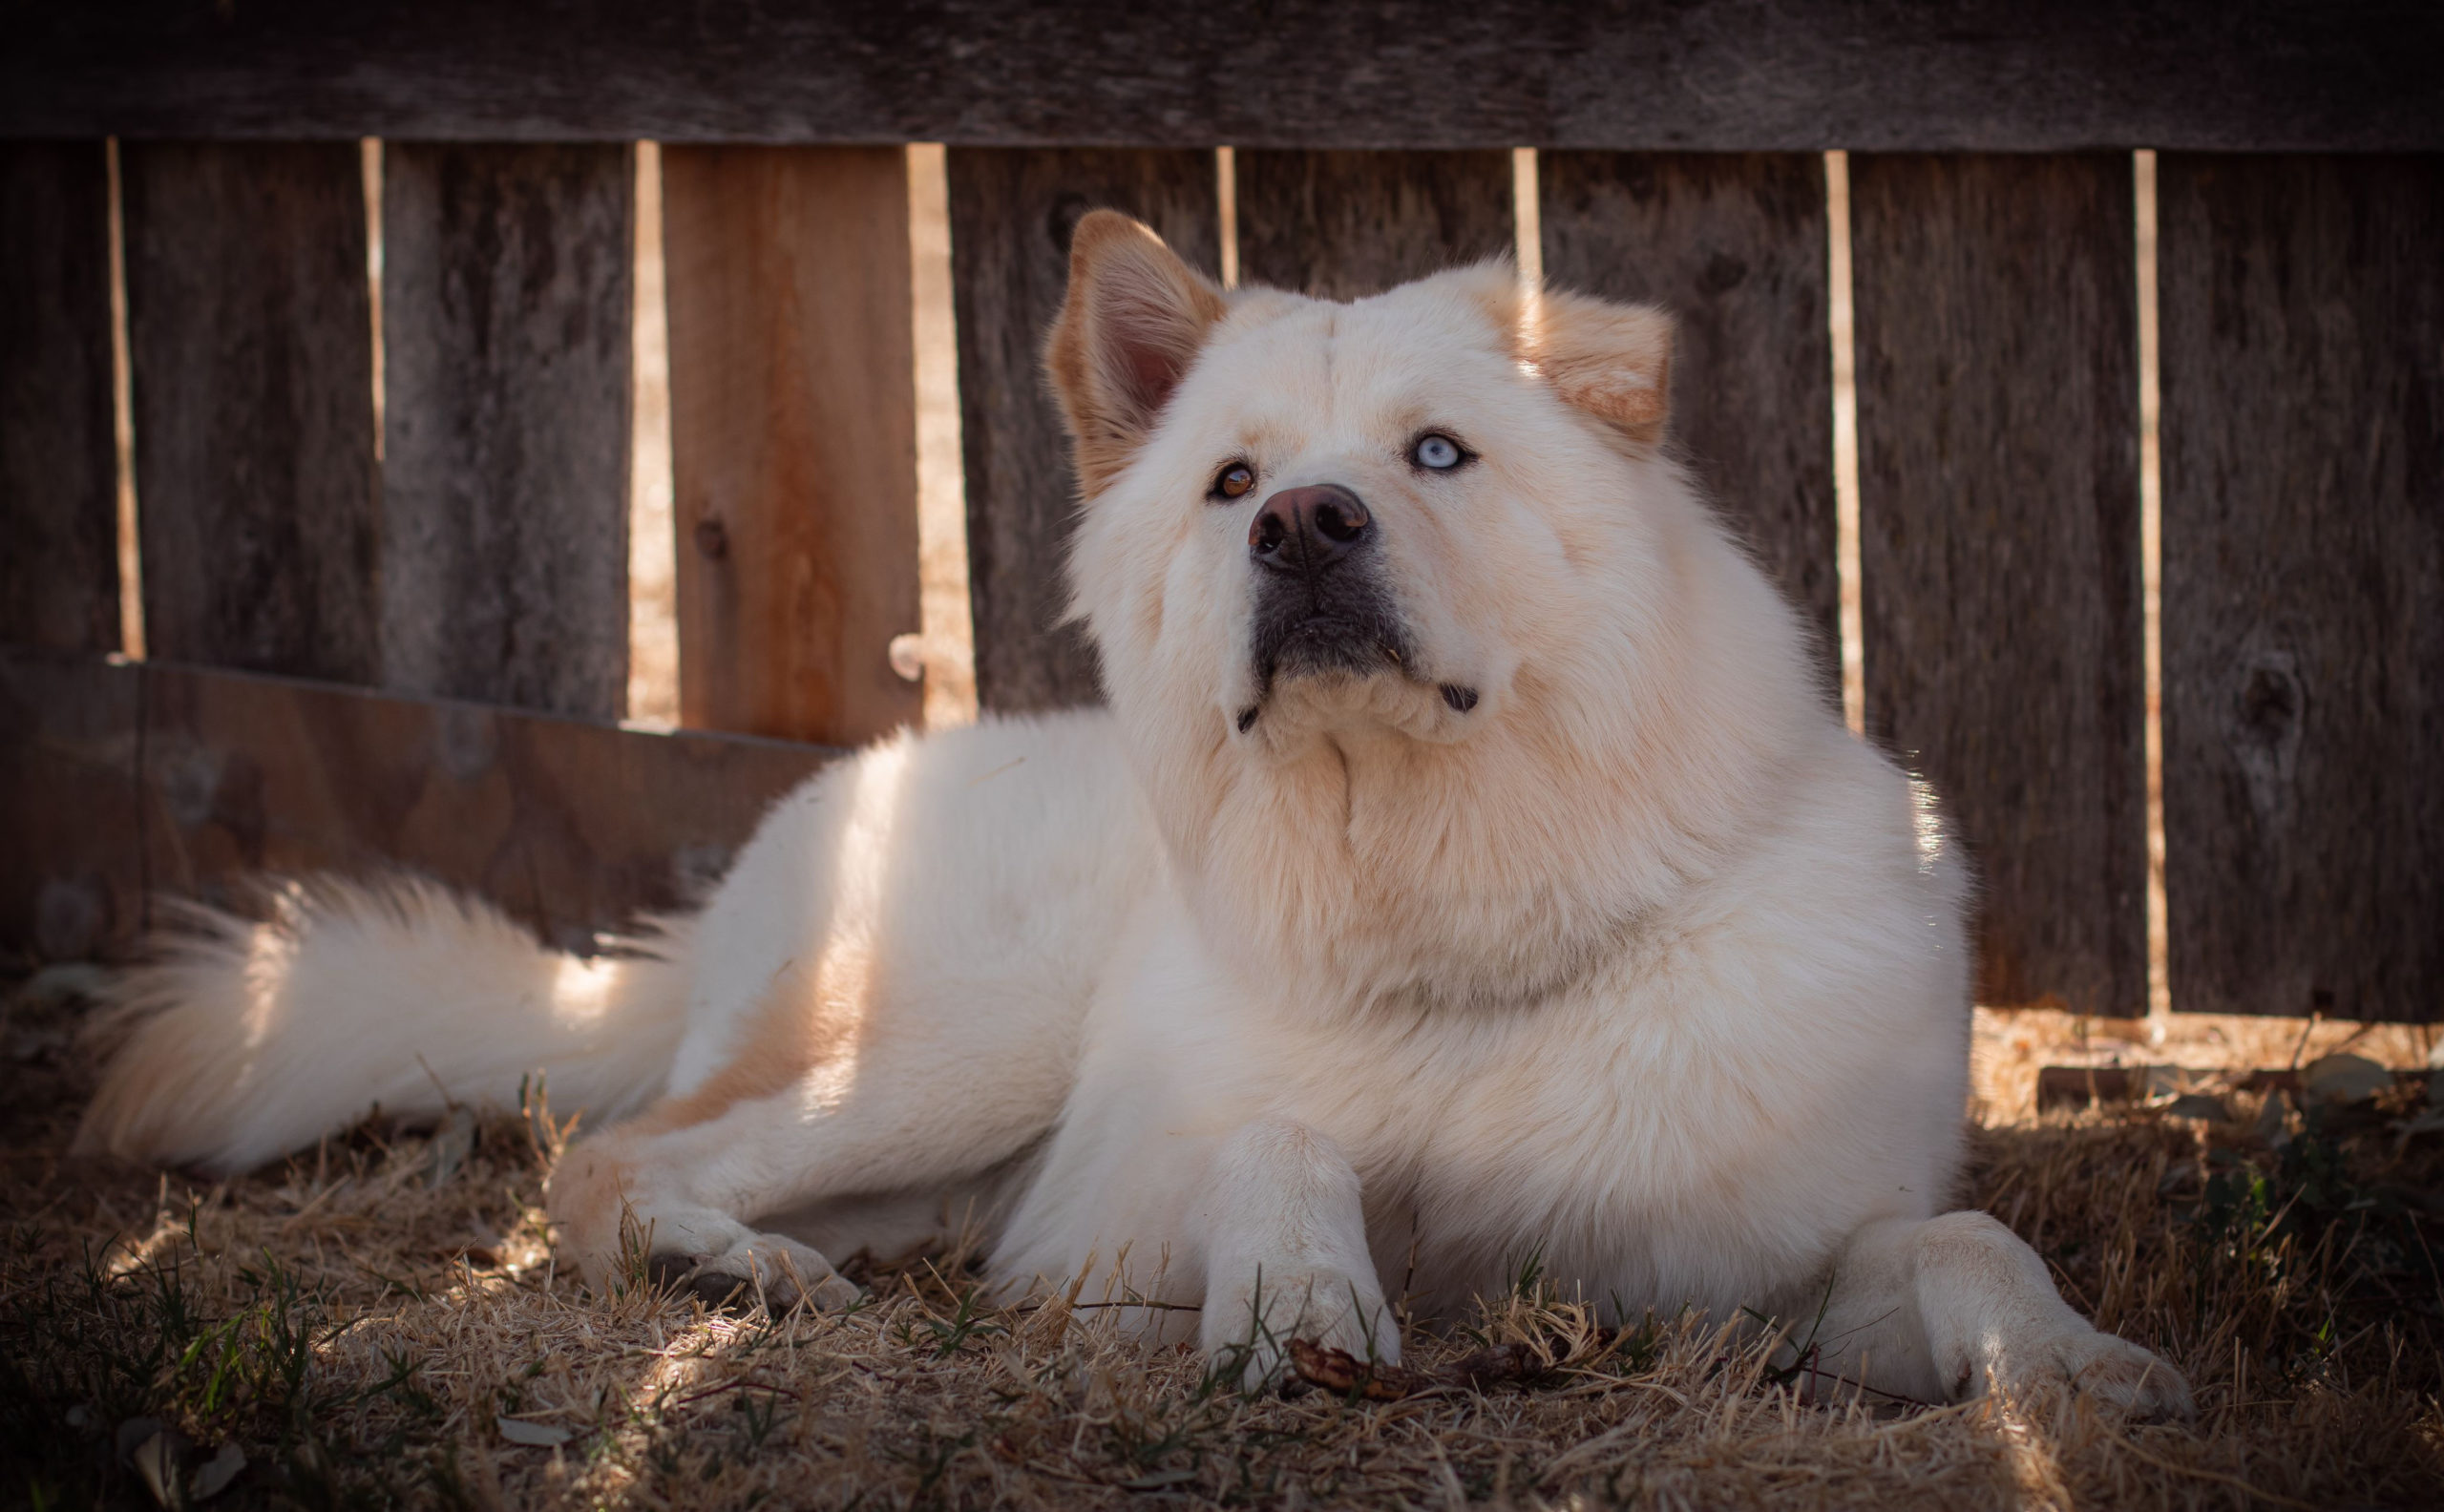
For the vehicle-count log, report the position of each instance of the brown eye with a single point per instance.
(1234, 481)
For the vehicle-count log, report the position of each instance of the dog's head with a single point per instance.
(1401, 587)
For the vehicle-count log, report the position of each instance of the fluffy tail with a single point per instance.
(243, 1041)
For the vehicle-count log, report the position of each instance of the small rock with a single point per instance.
(69, 983)
(2344, 1078)
(29, 1045)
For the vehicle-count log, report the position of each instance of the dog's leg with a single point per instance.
(1286, 1258)
(678, 1191)
(1958, 1305)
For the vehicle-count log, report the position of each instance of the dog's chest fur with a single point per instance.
(1686, 1123)
(1607, 1140)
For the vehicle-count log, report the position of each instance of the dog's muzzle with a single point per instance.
(1322, 605)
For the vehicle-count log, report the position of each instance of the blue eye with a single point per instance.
(1437, 451)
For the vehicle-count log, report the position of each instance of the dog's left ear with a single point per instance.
(1613, 361)
(1132, 323)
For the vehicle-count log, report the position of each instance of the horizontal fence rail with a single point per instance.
(479, 550)
(1715, 75)
(124, 781)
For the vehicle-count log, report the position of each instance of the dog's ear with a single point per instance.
(1132, 323)
(1613, 361)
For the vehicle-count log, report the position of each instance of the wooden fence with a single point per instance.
(402, 636)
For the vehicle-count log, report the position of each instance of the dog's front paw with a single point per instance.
(2098, 1365)
(779, 1271)
(1247, 1327)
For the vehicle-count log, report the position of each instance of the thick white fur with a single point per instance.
(249, 1039)
(1644, 964)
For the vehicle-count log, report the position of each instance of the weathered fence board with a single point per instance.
(1998, 534)
(1345, 225)
(58, 467)
(1707, 75)
(251, 343)
(1734, 245)
(793, 435)
(133, 778)
(1011, 216)
(2303, 304)
(508, 306)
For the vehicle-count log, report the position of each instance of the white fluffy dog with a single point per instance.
(1466, 868)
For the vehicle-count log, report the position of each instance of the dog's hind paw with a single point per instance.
(778, 1271)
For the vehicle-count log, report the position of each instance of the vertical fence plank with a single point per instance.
(1733, 243)
(251, 343)
(1345, 224)
(1998, 435)
(2303, 346)
(1012, 211)
(507, 296)
(58, 470)
(793, 435)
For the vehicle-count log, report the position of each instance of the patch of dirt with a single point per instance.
(379, 1323)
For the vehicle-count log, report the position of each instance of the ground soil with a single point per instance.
(378, 1322)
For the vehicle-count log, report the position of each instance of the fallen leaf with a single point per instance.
(1338, 1370)
(532, 1434)
(156, 1463)
(2273, 1127)
(1504, 1362)
(217, 1472)
(451, 1144)
(133, 1432)
(1158, 1479)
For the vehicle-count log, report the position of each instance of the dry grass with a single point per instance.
(361, 1322)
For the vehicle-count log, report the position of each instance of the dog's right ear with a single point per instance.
(1612, 361)
(1132, 323)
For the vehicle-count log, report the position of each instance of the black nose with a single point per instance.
(1305, 530)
